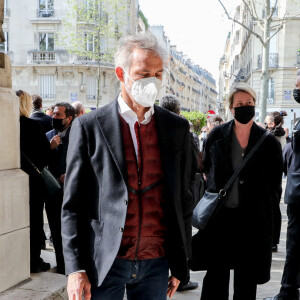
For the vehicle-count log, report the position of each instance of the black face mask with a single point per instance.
(244, 114)
(58, 124)
(296, 94)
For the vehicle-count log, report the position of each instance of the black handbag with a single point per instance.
(51, 183)
(210, 203)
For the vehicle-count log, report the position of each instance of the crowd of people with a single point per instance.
(131, 174)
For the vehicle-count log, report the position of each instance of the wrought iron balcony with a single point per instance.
(48, 96)
(273, 61)
(298, 57)
(45, 13)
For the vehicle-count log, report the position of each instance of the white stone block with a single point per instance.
(9, 130)
(14, 201)
(14, 258)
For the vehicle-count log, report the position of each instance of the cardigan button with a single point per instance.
(241, 181)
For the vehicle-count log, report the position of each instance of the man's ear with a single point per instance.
(120, 74)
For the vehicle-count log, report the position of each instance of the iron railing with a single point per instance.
(45, 13)
(273, 61)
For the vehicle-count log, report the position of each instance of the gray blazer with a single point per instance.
(95, 197)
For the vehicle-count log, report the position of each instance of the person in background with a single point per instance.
(35, 146)
(287, 135)
(38, 114)
(213, 121)
(248, 206)
(290, 282)
(79, 108)
(63, 116)
(171, 103)
(49, 110)
(274, 121)
(203, 136)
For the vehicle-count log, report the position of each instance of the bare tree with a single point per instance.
(268, 27)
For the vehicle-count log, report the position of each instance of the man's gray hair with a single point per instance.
(126, 45)
(78, 106)
(171, 103)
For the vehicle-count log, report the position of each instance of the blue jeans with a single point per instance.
(144, 279)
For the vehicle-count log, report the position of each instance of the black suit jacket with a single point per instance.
(95, 198)
(292, 191)
(44, 120)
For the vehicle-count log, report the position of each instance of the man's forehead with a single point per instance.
(60, 109)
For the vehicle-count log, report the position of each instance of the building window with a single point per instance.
(89, 41)
(91, 91)
(47, 86)
(4, 46)
(46, 41)
(46, 8)
(271, 91)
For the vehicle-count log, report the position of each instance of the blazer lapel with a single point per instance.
(166, 136)
(109, 122)
(224, 145)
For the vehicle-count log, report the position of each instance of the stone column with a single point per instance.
(14, 185)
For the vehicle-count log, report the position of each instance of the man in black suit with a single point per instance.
(39, 115)
(290, 282)
(63, 116)
(126, 217)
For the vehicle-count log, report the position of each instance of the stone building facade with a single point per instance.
(242, 59)
(40, 65)
(194, 87)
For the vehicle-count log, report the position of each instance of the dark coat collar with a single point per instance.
(109, 121)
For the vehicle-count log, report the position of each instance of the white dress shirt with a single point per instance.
(131, 118)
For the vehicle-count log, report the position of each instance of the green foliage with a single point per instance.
(197, 118)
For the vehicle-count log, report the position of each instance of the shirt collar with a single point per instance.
(129, 115)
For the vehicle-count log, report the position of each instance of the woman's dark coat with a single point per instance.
(259, 183)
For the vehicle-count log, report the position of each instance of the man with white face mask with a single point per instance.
(127, 204)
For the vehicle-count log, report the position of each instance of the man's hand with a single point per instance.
(62, 178)
(55, 142)
(77, 283)
(172, 286)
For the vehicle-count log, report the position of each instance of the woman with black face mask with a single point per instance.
(273, 123)
(240, 235)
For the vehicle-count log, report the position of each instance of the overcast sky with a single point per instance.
(197, 27)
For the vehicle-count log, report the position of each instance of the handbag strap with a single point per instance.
(31, 163)
(223, 191)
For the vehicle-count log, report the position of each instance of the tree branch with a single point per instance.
(272, 10)
(280, 26)
(241, 24)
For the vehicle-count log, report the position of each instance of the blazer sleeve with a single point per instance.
(187, 201)
(75, 198)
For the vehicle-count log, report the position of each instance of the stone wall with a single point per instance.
(14, 191)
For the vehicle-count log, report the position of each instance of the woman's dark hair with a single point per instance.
(277, 117)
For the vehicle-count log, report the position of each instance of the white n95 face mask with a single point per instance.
(144, 91)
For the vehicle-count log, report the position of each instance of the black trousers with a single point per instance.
(36, 206)
(277, 221)
(291, 274)
(53, 209)
(216, 284)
